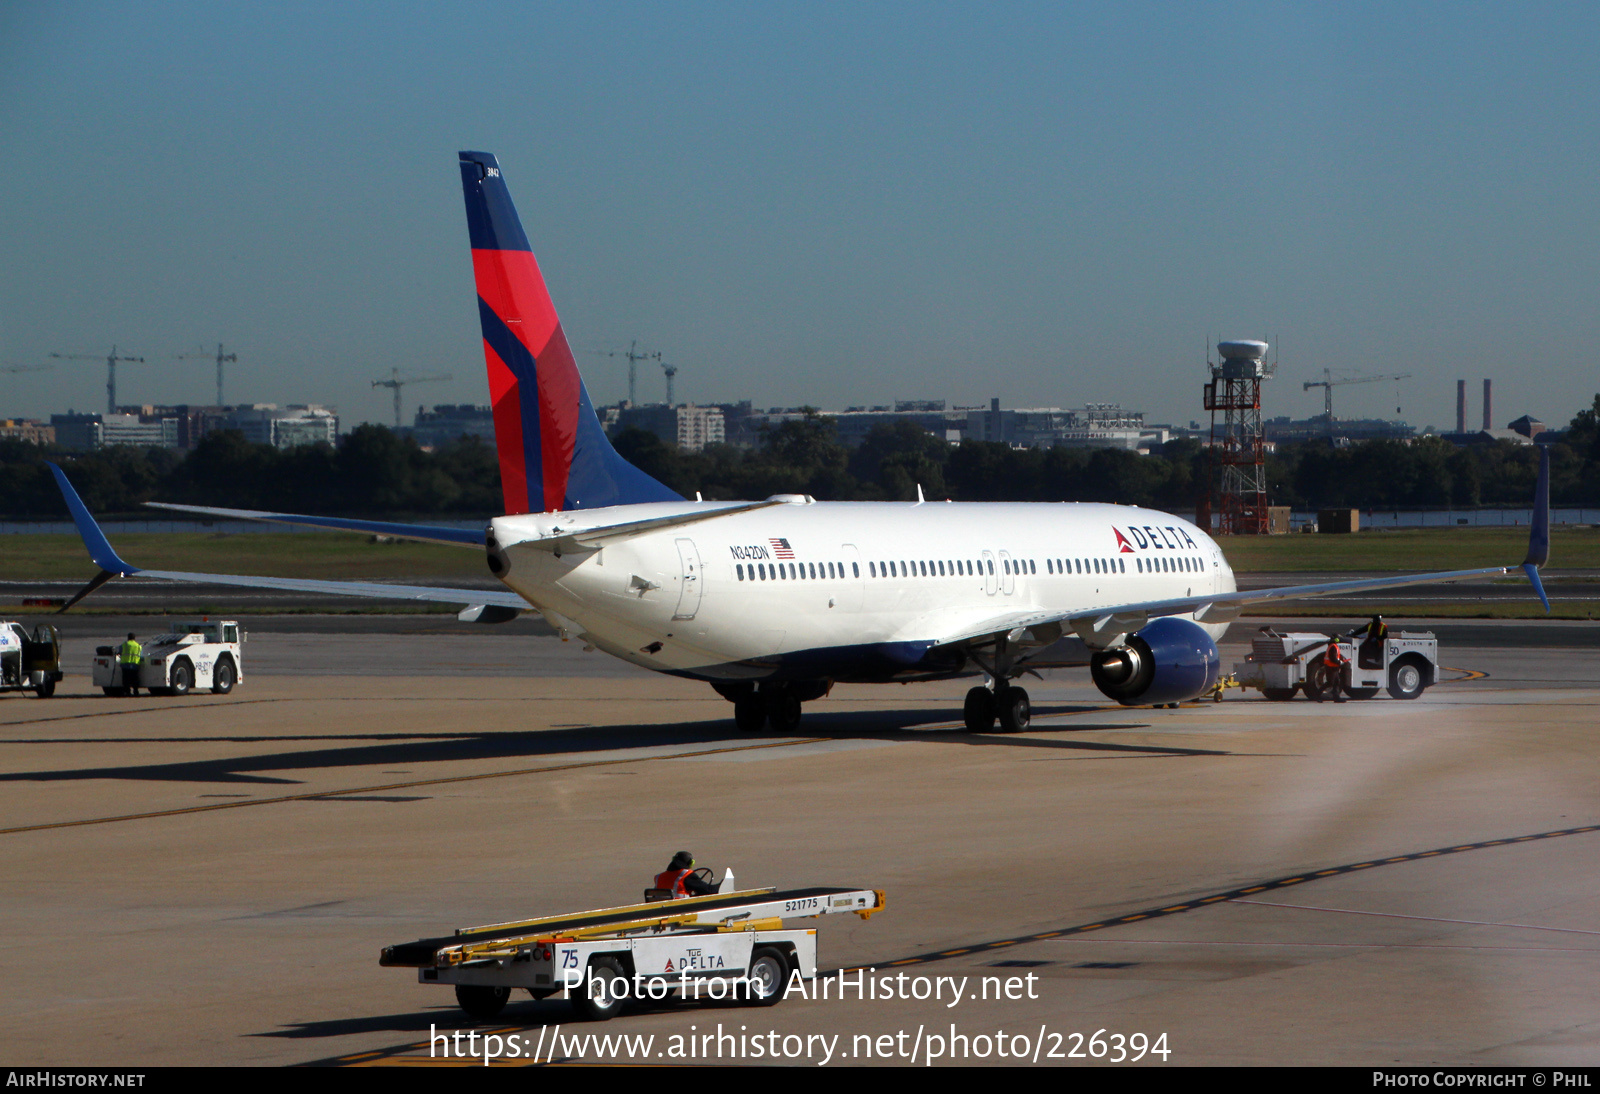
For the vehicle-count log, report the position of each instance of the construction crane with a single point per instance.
(634, 357)
(1328, 383)
(206, 354)
(13, 369)
(396, 382)
(111, 360)
(672, 372)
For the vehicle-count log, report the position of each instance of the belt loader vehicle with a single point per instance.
(1280, 664)
(727, 945)
(190, 655)
(30, 662)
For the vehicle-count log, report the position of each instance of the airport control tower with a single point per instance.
(1238, 491)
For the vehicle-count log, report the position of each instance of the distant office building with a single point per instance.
(853, 424)
(87, 432)
(182, 426)
(286, 427)
(1284, 428)
(689, 427)
(699, 426)
(1098, 425)
(444, 424)
(191, 422)
(30, 430)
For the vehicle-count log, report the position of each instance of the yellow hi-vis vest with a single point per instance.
(132, 652)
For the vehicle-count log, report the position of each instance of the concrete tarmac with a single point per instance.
(209, 880)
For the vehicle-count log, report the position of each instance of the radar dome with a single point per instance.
(1246, 349)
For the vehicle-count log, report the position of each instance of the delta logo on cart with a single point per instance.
(698, 961)
(1170, 537)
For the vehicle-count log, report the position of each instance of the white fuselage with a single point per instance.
(813, 589)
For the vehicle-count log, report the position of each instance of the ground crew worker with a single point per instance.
(680, 880)
(132, 657)
(1333, 663)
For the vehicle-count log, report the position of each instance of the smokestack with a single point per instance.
(1488, 405)
(1461, 406)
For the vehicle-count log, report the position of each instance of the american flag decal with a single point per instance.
(781, 548)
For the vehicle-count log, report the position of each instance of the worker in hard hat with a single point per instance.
(131, 656)
(1370, 653)
(1328, 682)
(680, 880)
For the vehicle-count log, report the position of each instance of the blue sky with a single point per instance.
(826, 203)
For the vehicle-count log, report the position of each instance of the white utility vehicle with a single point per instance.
(30, 662)
(190, 655)
(1280, 664)
(725, 946)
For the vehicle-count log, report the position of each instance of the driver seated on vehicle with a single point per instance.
(1370, 653)
(679, 880)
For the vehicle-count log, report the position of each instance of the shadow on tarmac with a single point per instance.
(397, 750)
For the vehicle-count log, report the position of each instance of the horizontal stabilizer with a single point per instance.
(571, 532)
(427, 533)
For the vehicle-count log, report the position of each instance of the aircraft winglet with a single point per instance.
(94, 539)
(100, 549)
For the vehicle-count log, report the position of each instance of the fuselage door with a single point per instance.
(689, 594)
(1008, 579)
(990, 582)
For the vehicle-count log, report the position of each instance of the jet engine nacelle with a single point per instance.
(1170, 660)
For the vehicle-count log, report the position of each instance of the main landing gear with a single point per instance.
(776, 706)
(1007, 704)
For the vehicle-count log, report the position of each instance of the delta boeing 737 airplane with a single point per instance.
(773, 602)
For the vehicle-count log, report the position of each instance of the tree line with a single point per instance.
(376, 472)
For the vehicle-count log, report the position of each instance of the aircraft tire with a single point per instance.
(750, 713)
(1278, 695)
(480, 1001)
(45, 688)
(783, 711)
(979, 711)
(1016, 713)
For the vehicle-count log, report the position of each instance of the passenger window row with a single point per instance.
(835, 571)
(795, 571)
(955, 567)
(1086, 566)
(1177, 564)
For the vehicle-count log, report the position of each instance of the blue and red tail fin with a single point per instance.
(553, 453)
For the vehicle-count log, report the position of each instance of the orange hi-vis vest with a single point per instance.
(672, 881)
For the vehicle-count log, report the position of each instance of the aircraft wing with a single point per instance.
(112, 566)
(1102, 625)
(1117, 619)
